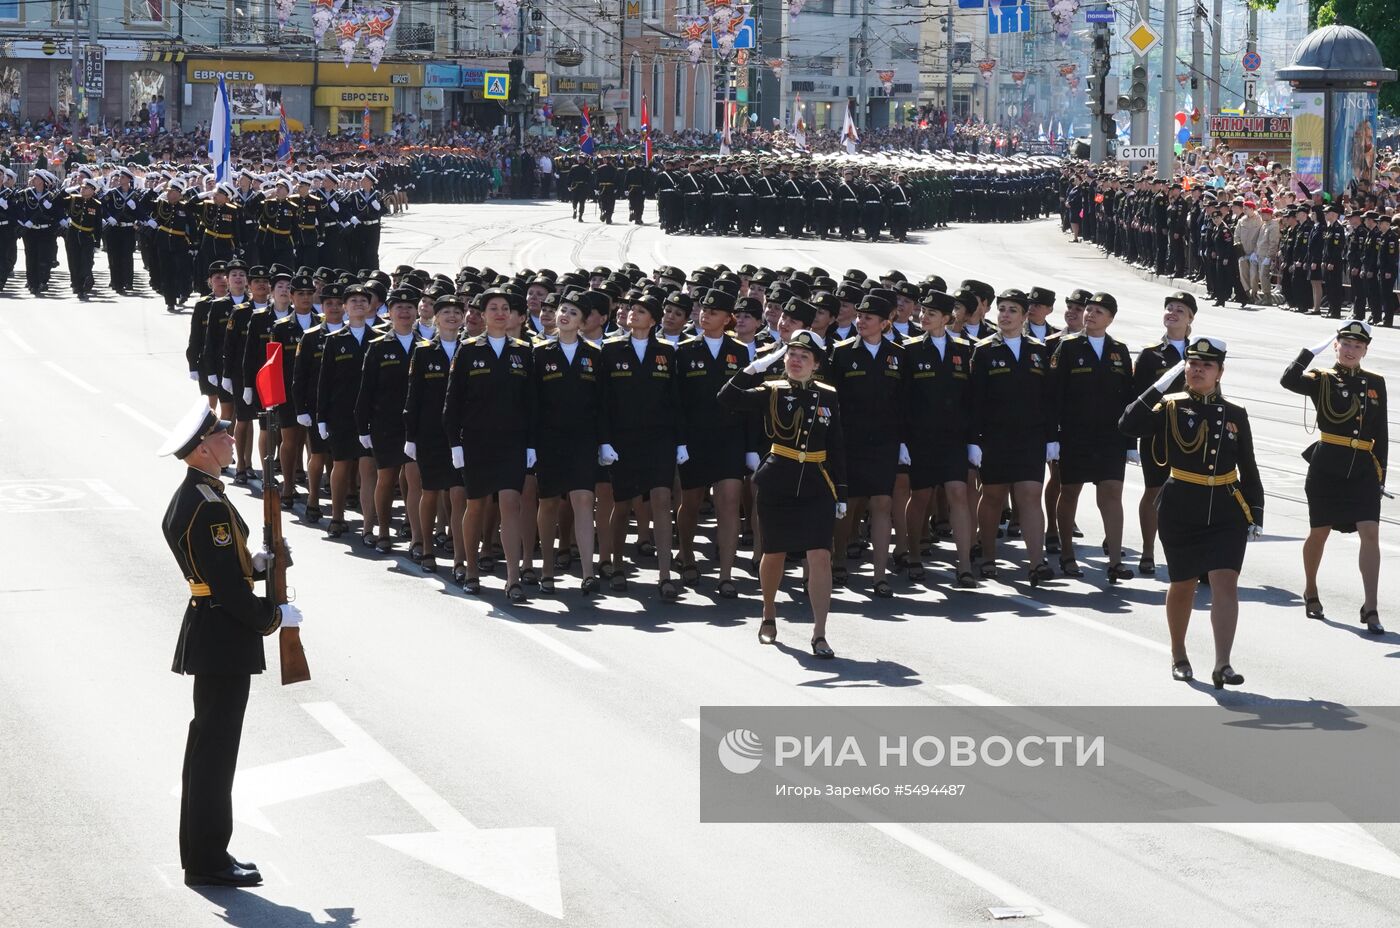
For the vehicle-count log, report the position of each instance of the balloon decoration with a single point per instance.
(1180, 118)
(1183, 135)
(776, 65)
(322, 15)
(886, 80)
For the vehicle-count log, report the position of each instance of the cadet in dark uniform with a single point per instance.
(712, 436)
(231, 370)
(1213, 501)
(337, 388)
(288, 332)
(425, 437)
(219, 223)
(220, 642)
(580, 184)
(379, 416)
(1012, 432)
(870, 382)
(801, 483)
(1178, 314)
(487, 417)
(82, 224)
(1346, 465)
(40, 207)
(172, 225)
(937, 368)
(306, 373)
(1091, 382)
(609, 181)
(638, 180)
(217, 281)
(567, 423)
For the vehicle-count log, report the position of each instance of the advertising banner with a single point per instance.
(1353, 131)
(1308, 109)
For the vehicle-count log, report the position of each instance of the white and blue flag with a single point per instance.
(221, 133)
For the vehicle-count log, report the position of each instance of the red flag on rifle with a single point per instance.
(272, 387)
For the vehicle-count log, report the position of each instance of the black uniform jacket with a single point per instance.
(1350, 405)
(1088, 392)
(700, 376)
(936, 407)
(428, 368)
(805, 419)
(640, 396)
(1204, 436)
(487, 394)
(225, 620)
(338, 387)
(1010, 400)
(306, 370)
(871, 388)
(570, 408)
(383, 391)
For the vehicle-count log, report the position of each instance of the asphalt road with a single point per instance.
(455, 761)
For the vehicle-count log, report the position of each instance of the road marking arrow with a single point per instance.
(520, 863)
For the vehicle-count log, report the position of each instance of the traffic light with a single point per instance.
(1137, 95)
(517, 78)
(1111, 99)
(1094, 87)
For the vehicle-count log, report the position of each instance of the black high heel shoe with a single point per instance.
(1117, 572)
(1372, 620)
(1226, 676)
(1182, 671)
(1041, 573)
(1312, 608)
(1069, 567)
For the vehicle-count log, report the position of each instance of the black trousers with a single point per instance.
(211, 755)
(121, 256)
(80, 249)
(9, 252)
(40, 247)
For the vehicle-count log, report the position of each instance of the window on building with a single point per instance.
(962, 103)
(63, 10)
(658, 91)
(143, 88)
(10, 93)
(9, 10)
(819, 6)
(634, 87)
(145, 12)
(678, 98)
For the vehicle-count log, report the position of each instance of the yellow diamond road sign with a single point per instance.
(1143, 38)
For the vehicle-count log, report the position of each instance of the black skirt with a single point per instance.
(435, 467)
(788, 523)
(1082, 462)
(494, 462)
(1341, 502)
(345, 445)
(567, 463)
(714, 456)
(645, 461)
(935, 463)
(1200, 534)
(388, 449)
(1004, 465)
(870, 466)
(1153, 474)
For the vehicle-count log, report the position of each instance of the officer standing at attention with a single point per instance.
(580, 184)
(220, 642)
(82, 224)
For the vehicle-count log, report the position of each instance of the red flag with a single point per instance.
(646, 129)
(272, 386)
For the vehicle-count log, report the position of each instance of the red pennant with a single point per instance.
(272, 387)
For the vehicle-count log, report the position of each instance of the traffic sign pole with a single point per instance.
(1166, 101)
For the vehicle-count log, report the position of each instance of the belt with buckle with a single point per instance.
(1213, 480)
(1356, 444)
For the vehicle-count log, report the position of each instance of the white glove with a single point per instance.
(304, 419)
(335, 207)
(290, 615)
(530, 458)
(410, 448)
(109, 221)
(27, 224)
(152, 224)
(682, 454)
(194, 375)
(4, 204)
(130, 204)
(261, 559)
(213, 380)
(48, 204)
(366, 443)
(1134, 458)
(1323, 346)
(752, 461)
(248, 395)
(227, 384)
(904, 454)
(974, 455)
(459, 459)
(325, 432)
(1256, 531)
(606, 455)
(1052, 451)
(762, 363)
(354, 220)
(840, 511)
(377, 205)
(63, 223)
(1171, 374)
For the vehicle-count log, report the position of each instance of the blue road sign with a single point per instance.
(1007, 16)
(1098, 16)
(746, 36)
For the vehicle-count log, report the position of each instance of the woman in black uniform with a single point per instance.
(1346, 466)
(1212, 502)
(425, 438)
(801, 482)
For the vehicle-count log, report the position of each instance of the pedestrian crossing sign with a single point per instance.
(497, 86)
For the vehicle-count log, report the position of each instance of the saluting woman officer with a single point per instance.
(801, 482)
(1346, 465)
(1212, 502)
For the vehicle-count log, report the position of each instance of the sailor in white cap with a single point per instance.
(40, 209)
(9, 225)
(220, 641)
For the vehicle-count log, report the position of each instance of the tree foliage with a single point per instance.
(1377, 18)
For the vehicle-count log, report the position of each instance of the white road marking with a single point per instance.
(110, 496)
(138, 417)
(160, 872)
(972, 694)
(20, 343)
(521, 863)
(577, 658)
(1084, 621)
(72, 378)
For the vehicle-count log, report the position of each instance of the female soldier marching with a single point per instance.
(801, 482)
(1346, 466)
(1212, 502)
